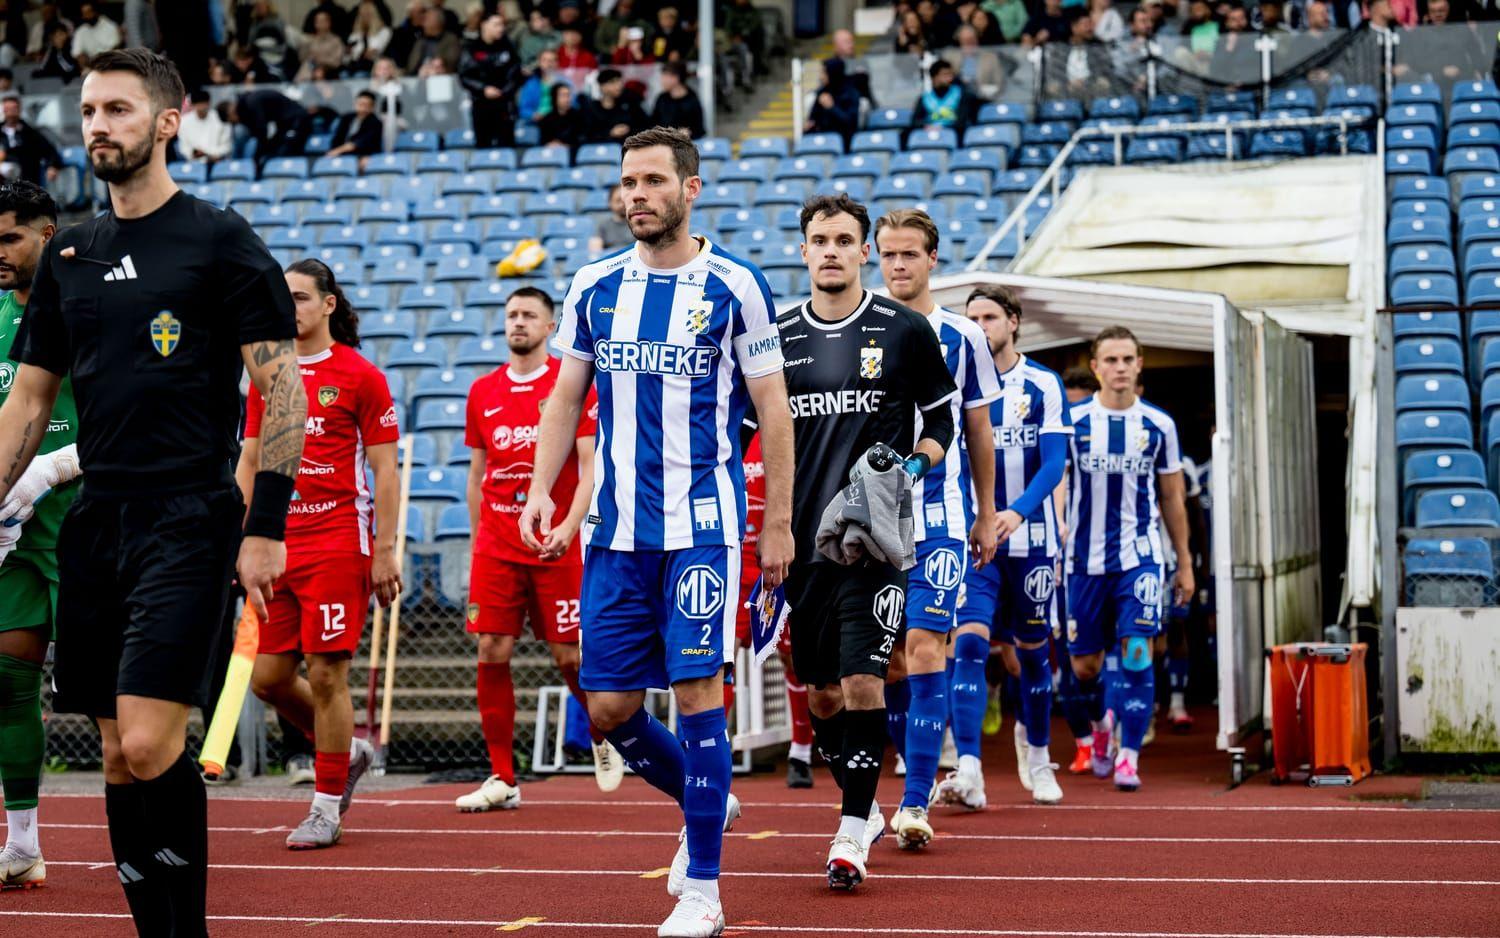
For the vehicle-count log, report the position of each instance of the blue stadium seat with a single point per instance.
(386, 211)
(510, 229)
(1408, 115)
(185, 172)
(1479, 229)
(1483, 288)
(444, 383)
(904, 187)
(742, 219)
(401, 233)
(715, 149)
(1419, 187)
(1044, 132)
(1417, 137)
(291, 239)
(328, 213)
(1428, 356)
(461, 138)
(492, 160)
(776, 147)
(541, 205)
(1420, 208)
(983, 211)
(1007, 136)
(1173, 104)
(1213, 147)
(782, 192)
(1433, 393)
(876, 141)
(890, 118)
(933, 138)
(1295, 96)
(367, 297)
(488, 295)
(459, 184)
(782, 282)
(1274, 143)
(529, 181)
(359, 190)
(747, 169)
(379, 324)
(336, 167)
(273, 216)
(397, 271)
(598, 154)
(783, 256)
(212, 193)
(414, 190)
(1415, 259)
(418, 355)
(482, 352)
(1489, 399)
(820, 145)
(416, 141)
(460, 270)
(1426, 290)
(725, 195)
(812, 168)
(1457, 507)
(1408, 162)
(1060, 109)
(1220, 101)
(1036, 155)
(1430, 469)
(1418, 231)
(1473, 207)
(965, 185)
(438, 415)
(428, 296)
(243, 193)
(1474, 135)
(544, 158)
(1002, 112)
(494, 206)
(466, 231)
(391, 164)
(441, 209)
(1474, 112)
(1449, 572)
(233, 170)
(456, 322)
(528, 135)
(1421, 92)
(1433, 430)
(304, 190)
(285, 167)
(1017, 180)
(1125, 108)
(1356, 95)
(857, 189)
(578, 178)
(868, 166)
(1471, 160)
(317, 144)
(985, 160)
(423, 449)
(568, 227)
(1482, 90)
(1478, 187)
(1154, 150)
(452, 523)
(438, 482)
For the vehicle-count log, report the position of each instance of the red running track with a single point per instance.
(1181, 857)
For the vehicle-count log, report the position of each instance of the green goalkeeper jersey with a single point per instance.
(40, 533)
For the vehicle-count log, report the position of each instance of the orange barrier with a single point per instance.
(1319, 712)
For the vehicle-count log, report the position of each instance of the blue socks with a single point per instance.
(924, 735)
(1112, 684)
(705, 745)
(1074, 707)
(897, 702)
(1137, 693)
(653, 752)
(1036, 694)
(970, 652)
(1177, 674)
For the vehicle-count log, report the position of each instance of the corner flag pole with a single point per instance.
(395, 629)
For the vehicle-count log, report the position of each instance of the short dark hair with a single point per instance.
(162, 80)
(938, 67)
(677, 69)
(1080, 378)
(836, 204)
(1113, 332)
(198, 97)
(29, 201)
(533, 293)
(7, 74)
(684, 151)
(607, 75)
(367, 93)
(1003, 297)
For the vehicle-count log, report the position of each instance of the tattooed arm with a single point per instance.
(23, 421)
(283, 428)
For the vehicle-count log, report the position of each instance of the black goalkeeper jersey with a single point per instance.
(852, 384)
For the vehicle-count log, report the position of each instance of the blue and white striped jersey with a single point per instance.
(1114, 460)
(671, 350)
(946, 492)
(1032, 403)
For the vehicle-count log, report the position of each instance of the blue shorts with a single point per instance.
(1015, 596)
(1107, 608)
(932, 586)
(651, 618)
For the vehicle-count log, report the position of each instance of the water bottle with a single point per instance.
(877, 458)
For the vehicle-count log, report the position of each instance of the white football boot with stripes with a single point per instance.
(677, 875)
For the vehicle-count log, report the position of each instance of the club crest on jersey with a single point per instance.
(327, 394)
(871, 362)
(1039, 584)
(7, 375)
(166, 331)
(473, 613)
(1142, 440)
(1023, 406)
(699, 315)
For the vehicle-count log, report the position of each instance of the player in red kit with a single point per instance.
(509, 583)
(340, 545)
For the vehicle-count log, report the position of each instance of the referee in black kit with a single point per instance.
(150, 308)
(859, 368)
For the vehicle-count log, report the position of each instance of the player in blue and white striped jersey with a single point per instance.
(1123, 449)
(953, 527)
(1014, 599)
(676, 336)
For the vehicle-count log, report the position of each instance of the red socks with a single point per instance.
(571, 678)
(497, 717)
(796, 699)
(331, 771)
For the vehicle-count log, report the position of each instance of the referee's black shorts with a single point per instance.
(143, 583)
(844, 620)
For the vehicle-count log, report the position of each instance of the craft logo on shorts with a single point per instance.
(870, 362)
(166, 330)
(943, 569)
(327, 394)
(889, 603)
(7, 375)
(700, 592)
(1148, 590)
(473, 613)
(1038, 584)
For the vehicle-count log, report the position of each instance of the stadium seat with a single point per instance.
(386, 211)
(1126, 108)
(741, 219)
(1474, 135)
(285, 167)
(1426, 290)
(292, 239)
(1036, 155)
(416, 141)
(1002, 112)
(933, 138)
(307, 191)
(1418, 231)
(1478, 187)
(443, 384)
(598, 154)
(391, 164)
(857, 189)
(993, 135)
(522, 181)
(903, 187)
(876, 141)
(397, 271)
(1457, 507)
(1173, 104)
(273, 216)
(1430, 469)
(332, 214)
(365, 297)
(811, 168)
(1407, 115)
(962, 186)
(1046, 132)
(544, 158)
(452, 523)
(1433, 393)
(494, 206)
(783, 192)
(438, 482)
(1017, 180)
(1417, 137)
(986, 160)
(1477, 229)
(1481, 90)
(1423, 259)
(359, 189)
(1471, 160)
(428, 296)
(1296, 96)
(460, 270)
(492, 160)
(1418, 430)
(776, 147)
(488, 295)
(423, 449)
(1421, 92)
(185, 172)
(1060, 109)
(820, 145)
(417, 355)
(233, 170)
(1419, 187)
(439, 415)
(379, 324)
(1354, 95)
(212, 193)
(986, 211)
(1408, 162)
(1473, 207)
(1473, 112)
(1429, 356)
(577, 178)
(528, 135)
(725, 195)
(1154, 150)
(890, 118)
(466, 231)
(715, 149)
(1451, 572)
(1278, 143)
(1213, 147)
(929, 161)
(335, 167)
(1220, 101)
(483, 352)
(461, 138)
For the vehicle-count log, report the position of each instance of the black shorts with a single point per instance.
(844, 620)
(143, 585)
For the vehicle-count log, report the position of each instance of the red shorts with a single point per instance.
(319, 605)
(503, 595)
(748, 576)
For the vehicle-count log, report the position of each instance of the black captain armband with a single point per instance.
(268, 503)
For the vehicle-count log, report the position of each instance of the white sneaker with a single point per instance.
(961, 789)
(913, 831)
(846, 863)
(20, 871)
(609, 768)
(1044, 787)
(948, 756)
(677, 875)
(494, 794)
(874, 828)
(900, 766)
(696, 916)
(1023, 749)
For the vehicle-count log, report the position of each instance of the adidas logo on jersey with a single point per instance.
(124, 271)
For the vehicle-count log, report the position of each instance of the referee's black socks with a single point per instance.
(864, 750)
(133, 843)
(176, 806)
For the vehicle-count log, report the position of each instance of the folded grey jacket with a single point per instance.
(871, 517)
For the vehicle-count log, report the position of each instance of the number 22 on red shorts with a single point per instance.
(503, 595)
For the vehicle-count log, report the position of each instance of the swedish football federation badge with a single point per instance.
(870, 360)
(166, 330)
(327, 394)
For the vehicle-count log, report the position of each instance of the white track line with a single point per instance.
(303, 869)
(783, 835)
(775, 929)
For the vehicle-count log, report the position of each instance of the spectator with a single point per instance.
(268, 35)
(948, 103)
(1088, 65)
(572, 55)
(1050, 25)
(977, 67)
(744, 26)
(633, 49)
(451, 22)
(535, 36)
(835, 108)
(1235, 57)
(323, 49)
(203, 137)
(404, 36)
(615, 115)
(338, 16)
(473, 21)
(1381, 16)
(1129, 52)
(535, 95)
(613, 232)
(36, 42)
(856, 69)
(1449, 55)
(7, 81)
(909, 36)
(562, 125)
(986, 30)
(369, 37)
(278, 125)
(491, 73)
(13, 31)
(610, 34)
(1320, 20)
(678, 106)
(1201, 28)
(1271, 23)
(95, 34)
(1405, 13)
(435, 45)
(570, 16)
(361, 133)
(248, 68)
(218, 74)
(1109, 26)
(25, 147)
(671, 41)
(1010, 15)
(938, 23)
(58, 61)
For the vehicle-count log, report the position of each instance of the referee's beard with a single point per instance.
(115, 163)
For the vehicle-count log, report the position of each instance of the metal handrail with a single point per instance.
(1051, 178)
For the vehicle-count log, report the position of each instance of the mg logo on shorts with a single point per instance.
(1038, 584)
(943, 569)
(1148, 590)
(700, 592)
(889, 603)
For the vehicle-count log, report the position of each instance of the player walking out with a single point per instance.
(333, 556)
(859, 368)
(151, 308)
(510, 583)
(1122, 449)
(1016, 595)
(29, 521)
(678, 336)
(948, 514)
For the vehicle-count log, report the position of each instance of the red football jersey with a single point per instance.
(348, 408)
(504, 410)
(755, 501)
